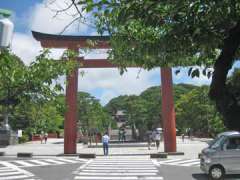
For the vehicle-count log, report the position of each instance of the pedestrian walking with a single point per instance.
(149, 139)
(42, 136)
(105, 141)
(120, 135)
(157, 139)
(123, 135)
(183, 137)
(45, 137)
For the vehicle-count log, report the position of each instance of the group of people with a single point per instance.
(43, 136)
(188, 132)
(122, 135)
(154, 136)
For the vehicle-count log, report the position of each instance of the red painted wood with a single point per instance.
(70, 123)
(168, 112)
(95, 63)
(67, 43)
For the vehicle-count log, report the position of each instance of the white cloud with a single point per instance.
(114, 84)
(43, 18)
(25, 47)
(107, 96)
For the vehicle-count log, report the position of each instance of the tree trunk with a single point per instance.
(6, 119)
(225, 101)
(224, 63)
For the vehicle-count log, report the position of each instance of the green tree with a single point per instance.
(153, 33)
(195, 110)
(153, 99)
(144, 111)
(36, 83)
(154, 102)
(115, 104)
(137, 115)
(34, 117)
(92, 116)
(230, 103)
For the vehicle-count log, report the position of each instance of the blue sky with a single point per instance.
(102, 83)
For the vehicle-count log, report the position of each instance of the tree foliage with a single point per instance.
(193, 110)
(32, 85)
(229, 104)
(36, 82)
(36, 117)
(92, 116)
(153, 33)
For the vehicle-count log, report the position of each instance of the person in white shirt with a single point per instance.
(105, 141)
(157, 138)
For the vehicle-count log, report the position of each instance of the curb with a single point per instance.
(24, 155)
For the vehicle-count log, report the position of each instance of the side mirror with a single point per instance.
(224, 147)
(209, 142)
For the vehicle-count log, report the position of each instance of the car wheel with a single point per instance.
(216, 173)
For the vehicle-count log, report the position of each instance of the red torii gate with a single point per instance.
(102, 42)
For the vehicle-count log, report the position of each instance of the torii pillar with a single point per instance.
(168, 112)
(70, 123)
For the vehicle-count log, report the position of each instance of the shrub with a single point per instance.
(23, 139)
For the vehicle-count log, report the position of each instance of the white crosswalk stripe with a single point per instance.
(9, 171)
(46, 162)
(181, 162)
(128, 168)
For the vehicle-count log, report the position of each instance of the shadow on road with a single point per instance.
(205, 177)
(200, 176)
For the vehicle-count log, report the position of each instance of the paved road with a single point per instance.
(56, 168)
(102, 168)
(119, 168)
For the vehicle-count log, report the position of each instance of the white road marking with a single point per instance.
(118, 169)
(67, 160)
(181, 162)
(11, 172)
(191, 164)
(46, 162)
(40, 163)
(117, 174)
(24, 163)
(54, 161)
(14, 177)
(106, 178)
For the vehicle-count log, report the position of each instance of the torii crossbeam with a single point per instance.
(102, 42)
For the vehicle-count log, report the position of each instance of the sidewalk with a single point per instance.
(55, 147)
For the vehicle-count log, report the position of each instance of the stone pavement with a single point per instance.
(54, 147)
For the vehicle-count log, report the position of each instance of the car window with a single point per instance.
(218, 142)
(233, 143)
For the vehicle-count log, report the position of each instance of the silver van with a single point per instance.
(222, 156)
